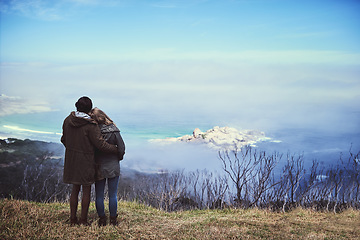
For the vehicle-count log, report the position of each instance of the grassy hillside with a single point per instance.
(30, 220)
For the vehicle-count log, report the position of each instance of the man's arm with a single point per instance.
(62, 136)
(98, 141)
(120, 146)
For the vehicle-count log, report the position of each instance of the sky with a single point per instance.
(171, 66)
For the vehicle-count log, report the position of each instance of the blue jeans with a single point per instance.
(100, 189)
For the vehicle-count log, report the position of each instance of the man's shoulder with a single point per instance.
(75, 121)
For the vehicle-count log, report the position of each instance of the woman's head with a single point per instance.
(100, 117)
(84, 104)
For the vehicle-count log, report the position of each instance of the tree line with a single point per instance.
(249, 178)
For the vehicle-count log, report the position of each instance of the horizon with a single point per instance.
(163, 68)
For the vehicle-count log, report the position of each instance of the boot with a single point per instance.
(84, 222)
(113, 220)
(102, 221)
(73, 221)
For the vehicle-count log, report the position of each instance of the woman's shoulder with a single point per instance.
(108, 128)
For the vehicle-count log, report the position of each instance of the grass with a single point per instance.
(30, 220)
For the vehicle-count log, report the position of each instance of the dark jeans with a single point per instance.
(100, 189)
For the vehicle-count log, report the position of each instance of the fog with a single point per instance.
(308, 107)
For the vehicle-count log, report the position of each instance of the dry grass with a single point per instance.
(29, 220)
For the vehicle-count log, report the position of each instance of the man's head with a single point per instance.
(84, 104)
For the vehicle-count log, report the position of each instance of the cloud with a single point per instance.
(177, 3)
(286, 57)
(16, 105)
(41, 9)
(236, 94)
(48, 10)
(16, 128)
(307, 35)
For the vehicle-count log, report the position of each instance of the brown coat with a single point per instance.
(81, 136)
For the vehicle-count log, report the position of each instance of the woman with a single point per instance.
(108, 167)
(81, 136)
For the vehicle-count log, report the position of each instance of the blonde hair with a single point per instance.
(100, 117)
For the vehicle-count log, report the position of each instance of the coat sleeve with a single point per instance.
(98, 141)
(63, 140)
(63, 136)
(120, 146)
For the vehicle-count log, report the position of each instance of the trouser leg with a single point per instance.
(74, 201)
(85, 202)
(99, 203)
(113, 186)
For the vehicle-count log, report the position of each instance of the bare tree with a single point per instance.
(354, 190)
(294, 171)
(240, 169)
(209, 190)
(252, 174)
(263, 179)
(42, 181)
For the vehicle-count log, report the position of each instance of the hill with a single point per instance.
(31, 170)
(30, 220)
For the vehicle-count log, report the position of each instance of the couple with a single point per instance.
(94, 148)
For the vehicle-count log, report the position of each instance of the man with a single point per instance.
(81, 136)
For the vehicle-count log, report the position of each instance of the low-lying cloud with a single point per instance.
(17, 105)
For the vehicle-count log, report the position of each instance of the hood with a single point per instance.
(108, 128)
(78, 120)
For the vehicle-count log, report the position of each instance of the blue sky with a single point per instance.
(92, 30)
(261, 64)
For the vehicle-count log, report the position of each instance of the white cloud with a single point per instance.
(49, 10)
(176, 3)
(249, 57)
(243, 94)
(16, 105)
(16, 128)
(46, 10)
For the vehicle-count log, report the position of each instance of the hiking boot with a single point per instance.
(102, 221)
(74, 221)
(84, 222)
(113, 220)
